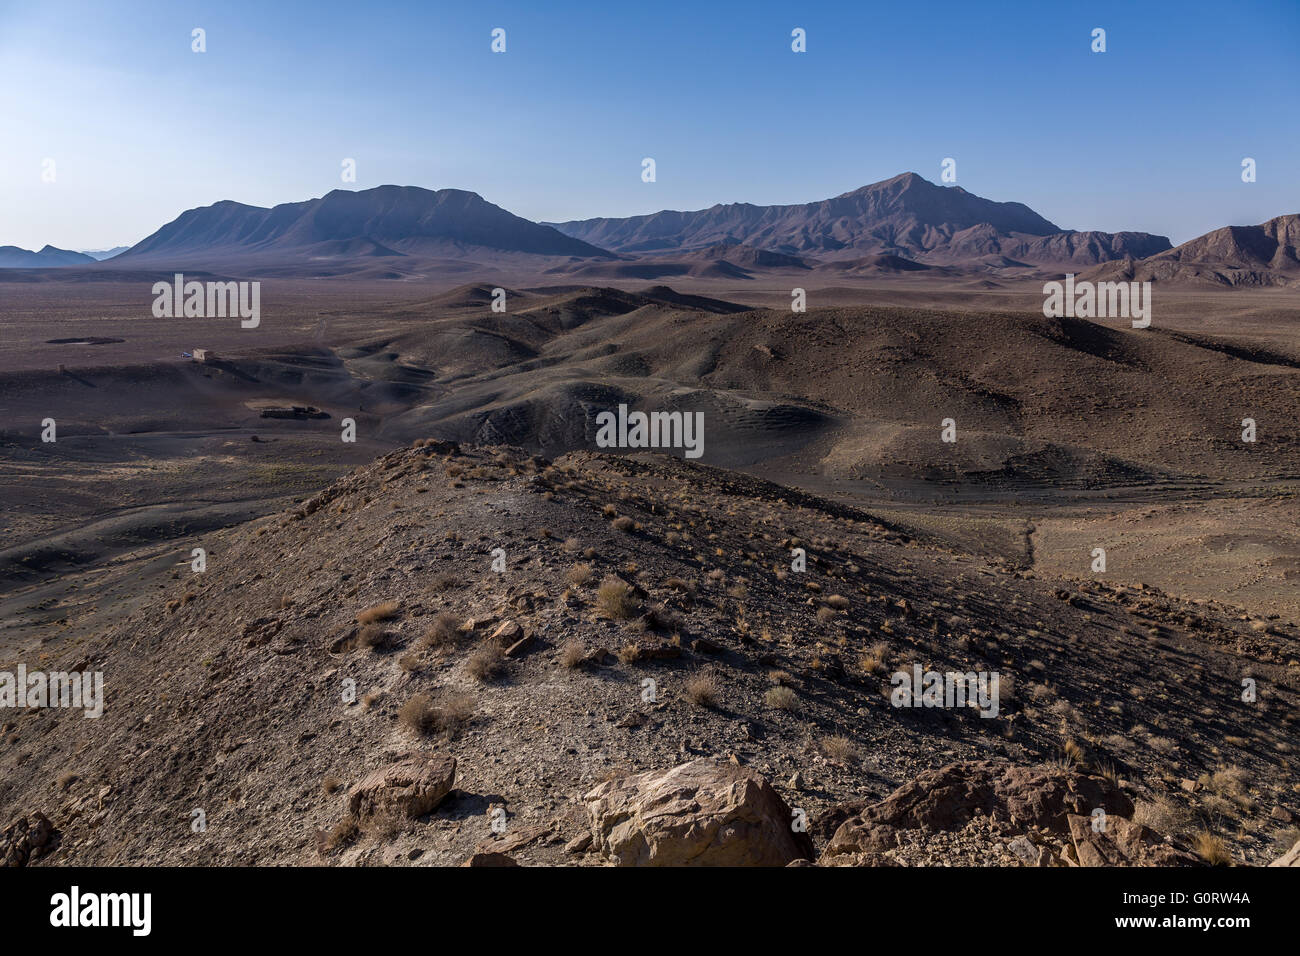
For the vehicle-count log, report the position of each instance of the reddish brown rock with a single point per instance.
(411, 787)
(1122, 842)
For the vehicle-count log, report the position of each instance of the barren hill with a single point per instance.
(384, 221)
(1243, 256)
(647, 618)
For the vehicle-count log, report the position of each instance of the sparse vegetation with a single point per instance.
(615, 599)
(781, 698)
(572, 653)
(379, 612)
(486, 662)
(702, 689)
(443, 631)
(580, 575)
(1211, 849)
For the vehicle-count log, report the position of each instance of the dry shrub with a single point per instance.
(380, 612)
(840, 749)
(623, 523)
(331, 784)
(417, 714)
(421, 715)
(703, 689)
(343, 833)
(487, 661)
(838, 601)
(781, 698)
(372, 636)
(615, 599)
(573, 653)
(580, 574)
(443, 631)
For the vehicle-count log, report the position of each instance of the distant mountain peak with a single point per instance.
(906, 216)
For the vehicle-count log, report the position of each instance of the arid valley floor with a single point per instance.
(372, 562)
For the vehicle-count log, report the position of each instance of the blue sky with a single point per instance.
(1146, 136)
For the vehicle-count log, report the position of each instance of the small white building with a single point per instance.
(202, 355)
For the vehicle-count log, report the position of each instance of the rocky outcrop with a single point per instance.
(1121, 842)
(411, 787)
(1012, 798)
(701, 813)
(27, 839)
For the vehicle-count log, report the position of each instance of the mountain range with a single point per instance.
(901, 226)
(906, 216)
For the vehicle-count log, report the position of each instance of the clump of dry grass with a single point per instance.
(838, 601)
(443, 631)
(343, 833)
(781, 698)
(825, 614)
(1162, 814)
(331, 784)
(615, 599)
(417, 714)
(573, 653)
(1211, 849)
(487, 661)
(421, 715)
(379, 612)
(875, 658)
(623, 523)
(66, 780)
(839, 749)
(580, 574)
(703, 689)
(372, 636)
(1071, 753)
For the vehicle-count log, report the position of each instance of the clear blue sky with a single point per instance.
(1147, 136)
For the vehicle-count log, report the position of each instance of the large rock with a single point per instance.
(701, 813)
(411, 787)
(1012, 797)
(1290, 858)
(1122, 842)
